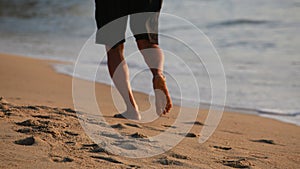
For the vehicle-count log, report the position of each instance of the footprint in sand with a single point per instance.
(133, 125)
(169, 126)
(69, 110)
(95, 148)
(31, 107)
(222, 148)
(118, 126)
(232, 132)
(71, 133)
(26, 141)
(167, 161)
(41, 116)
(25, 130)
(111, 135)
(85, 146)
(100, 150)
(59, 159)
(38, 126)
(138, 135)
(179, 156)
(191, 135)
(198, 123)
(28, 123)
(126, 146)
(65, 112)
(264, 141)
(109, 159)
(70, 143)
(259, 156)
(237, 163)
(133, 166)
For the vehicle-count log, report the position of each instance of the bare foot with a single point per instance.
(132, 115)
(163, 100)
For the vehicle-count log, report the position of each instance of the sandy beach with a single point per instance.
(40, 129)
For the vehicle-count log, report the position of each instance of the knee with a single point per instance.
(145, 44)
(114, 50)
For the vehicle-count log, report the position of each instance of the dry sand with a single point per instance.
(39, 129)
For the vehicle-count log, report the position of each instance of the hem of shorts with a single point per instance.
(111, 45)
(153, 41)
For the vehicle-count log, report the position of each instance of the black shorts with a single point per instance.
(112, 15)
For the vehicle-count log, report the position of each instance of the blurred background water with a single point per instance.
(258, 42)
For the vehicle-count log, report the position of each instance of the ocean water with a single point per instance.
(258, 43)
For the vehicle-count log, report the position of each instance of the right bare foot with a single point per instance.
(163, 100)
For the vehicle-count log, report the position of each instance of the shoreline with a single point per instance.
(252, 111)
(35, 92)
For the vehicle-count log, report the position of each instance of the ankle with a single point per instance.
(132, 108)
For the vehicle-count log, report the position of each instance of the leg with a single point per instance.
(154, 58)
(119, 73)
